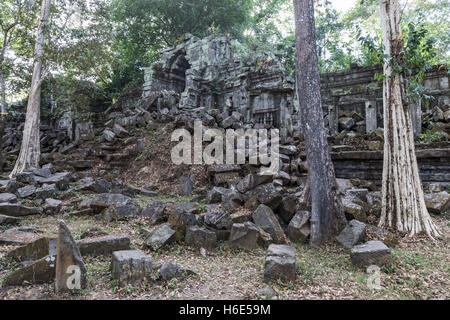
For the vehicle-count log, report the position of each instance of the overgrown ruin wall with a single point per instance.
(210, 73)
(355, 94)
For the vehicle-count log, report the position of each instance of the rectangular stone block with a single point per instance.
(130, 267)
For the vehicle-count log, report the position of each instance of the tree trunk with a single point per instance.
(3, 90)
(327, 214)
(403, 205)
(30, 151)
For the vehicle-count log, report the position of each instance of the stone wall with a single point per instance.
(355, 94)
(210, 73)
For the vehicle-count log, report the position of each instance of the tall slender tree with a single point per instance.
(403, 205)
(30, 151)
(328, 217)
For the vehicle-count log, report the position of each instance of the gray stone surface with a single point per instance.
(130, 267)
(160, 236)
(46, 191)
(155, 212)
(201, 238)
(103, 245)
(299, 229)
(244, 235)
(60, 179)
(52, 206)
(280, 263)
(288, 208)
(26, 191)
(8, 197)
(35, 250)
(266, 220)
(8, 220)
(17, 210)
(371, 253)
(217, 218)
(38, 272)
(68, 256)
(354, 233)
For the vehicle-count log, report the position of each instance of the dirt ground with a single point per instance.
(420, 270)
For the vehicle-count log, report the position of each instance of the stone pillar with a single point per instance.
(333, 119)
(371, 116)
(416, 117)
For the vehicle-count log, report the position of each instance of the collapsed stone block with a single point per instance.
(280, 263)
(371, 253)
(130, 267)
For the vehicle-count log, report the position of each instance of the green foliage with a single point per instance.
(431, 136)
(412, 62)
(144, 27)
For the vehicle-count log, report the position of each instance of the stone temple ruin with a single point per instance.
(210, 73)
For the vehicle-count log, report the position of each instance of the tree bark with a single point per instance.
(327, 213)
(3, 89)
(30, 151)
(403, 204)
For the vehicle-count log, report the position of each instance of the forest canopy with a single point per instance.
(108, 42)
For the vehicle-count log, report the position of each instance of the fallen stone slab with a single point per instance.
(244, 235)
(70, 269)
(43, 172)
(8, 220)
(17, 210)
(280, 263)
(160, 236)
(109, 199)
(354, 233)
(130, 267)
(299, 229)
(8, 197)
(103, 245)
(371, 253)
(17, 237)
(38, 272)
(266, 220)
(122, 212)
(201, 238)
(26, 191)
(35, 250)
(60, 179)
